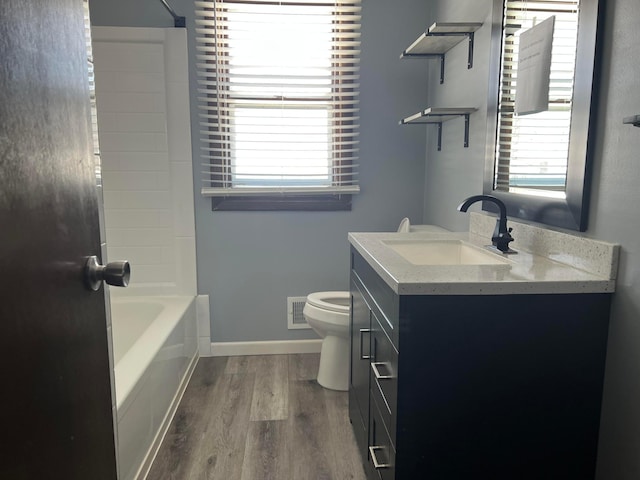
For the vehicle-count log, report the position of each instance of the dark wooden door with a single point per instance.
(56, 392)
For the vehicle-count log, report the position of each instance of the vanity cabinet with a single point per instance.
(475, 386)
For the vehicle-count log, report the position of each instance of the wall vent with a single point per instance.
(295, 318)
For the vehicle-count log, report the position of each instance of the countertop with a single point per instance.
(525, 272)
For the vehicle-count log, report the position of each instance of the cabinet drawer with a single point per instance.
(383, 374)
(382, 455)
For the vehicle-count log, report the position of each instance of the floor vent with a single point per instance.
(295, 318)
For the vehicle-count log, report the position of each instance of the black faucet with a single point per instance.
(501, 235)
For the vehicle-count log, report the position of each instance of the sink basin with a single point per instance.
(443, 252)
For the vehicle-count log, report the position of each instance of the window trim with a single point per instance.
(333, 200)
(309, 203)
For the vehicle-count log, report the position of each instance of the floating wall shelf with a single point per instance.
(439, 115)
(439, 39)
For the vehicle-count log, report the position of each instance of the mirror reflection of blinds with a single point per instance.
(278, 96)
(532, 149)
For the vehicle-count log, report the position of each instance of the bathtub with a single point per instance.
(154, 351)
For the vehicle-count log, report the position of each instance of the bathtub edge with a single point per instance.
(145, 467)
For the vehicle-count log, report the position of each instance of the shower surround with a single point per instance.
(142, 96)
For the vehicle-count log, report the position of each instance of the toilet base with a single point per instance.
(334, 363)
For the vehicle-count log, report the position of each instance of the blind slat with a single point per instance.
(279, 190)
(284, 153)
(292, 175)
(268, 88)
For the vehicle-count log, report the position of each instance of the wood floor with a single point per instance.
(259, 418)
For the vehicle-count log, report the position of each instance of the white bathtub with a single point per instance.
(155, 351)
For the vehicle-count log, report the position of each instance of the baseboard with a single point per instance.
(230, 349)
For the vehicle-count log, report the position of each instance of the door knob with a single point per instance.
(114, 273)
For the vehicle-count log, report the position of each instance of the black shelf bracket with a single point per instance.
(178, 21)
(437, 116)
(466, 130)
(439, 39)
(439, 56)
(466, 133)
(470, 37)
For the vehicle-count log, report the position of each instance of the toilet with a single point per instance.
(327, 313)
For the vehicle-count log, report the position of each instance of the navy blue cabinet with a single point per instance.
(475, 386)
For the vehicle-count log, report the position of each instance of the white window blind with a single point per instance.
(278, 96)
(533, 149)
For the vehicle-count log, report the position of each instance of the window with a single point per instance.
(278, 98)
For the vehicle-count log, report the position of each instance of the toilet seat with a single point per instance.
(338, 302)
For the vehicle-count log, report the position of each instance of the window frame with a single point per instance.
(281, 200)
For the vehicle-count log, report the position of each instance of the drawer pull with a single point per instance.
(376, 372)
(362, 331)
(377, 465)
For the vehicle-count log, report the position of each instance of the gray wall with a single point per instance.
(249, 262)
(455, 172)
(614, 216)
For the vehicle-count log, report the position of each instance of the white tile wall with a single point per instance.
(144, 129)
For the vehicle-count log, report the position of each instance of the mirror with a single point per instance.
(538, 125)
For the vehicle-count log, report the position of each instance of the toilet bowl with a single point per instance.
(327, 313)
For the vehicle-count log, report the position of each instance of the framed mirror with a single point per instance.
(540, 109)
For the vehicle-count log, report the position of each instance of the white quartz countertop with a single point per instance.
(523, 273)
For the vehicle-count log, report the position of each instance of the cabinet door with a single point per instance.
(360, 331)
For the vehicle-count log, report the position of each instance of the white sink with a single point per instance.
(443, 252)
